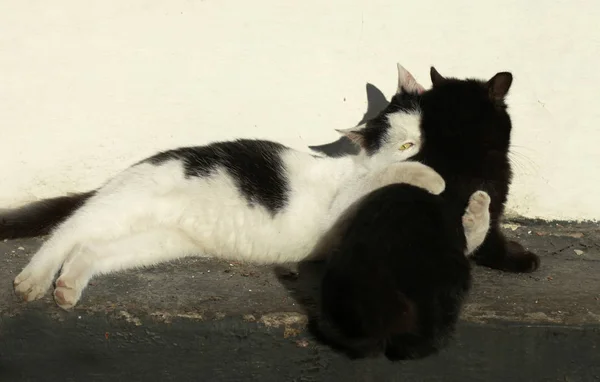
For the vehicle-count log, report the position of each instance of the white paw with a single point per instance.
(66, 293)
(436, 184)
(418, 175)
(413, 173)
(32, 284)
(429, 180)
(477, 209)
(479, 202)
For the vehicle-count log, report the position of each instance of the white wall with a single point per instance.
(87, 88)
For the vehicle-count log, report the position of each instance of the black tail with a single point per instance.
(39, 218)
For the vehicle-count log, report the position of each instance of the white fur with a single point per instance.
(476, 220)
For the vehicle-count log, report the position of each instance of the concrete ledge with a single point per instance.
(207, 320)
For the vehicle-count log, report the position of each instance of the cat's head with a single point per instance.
(466, 115)
(394, 135)
(453, 116)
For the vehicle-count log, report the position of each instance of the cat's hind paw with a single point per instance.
(477, 211)
(519, 259)
(31, 285)
(66, 294)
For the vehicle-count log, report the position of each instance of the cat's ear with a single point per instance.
(406, 82)
(436, 77)
(355, 134)
(499, 85)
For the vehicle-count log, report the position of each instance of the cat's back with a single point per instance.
(240, 156)
(398, 219)
(397, 279)
(401, 238)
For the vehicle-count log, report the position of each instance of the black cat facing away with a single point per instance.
(466, 131)
(397, 274)
(392, 287)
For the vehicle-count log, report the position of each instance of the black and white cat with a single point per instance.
(396, 276)
(249, 200)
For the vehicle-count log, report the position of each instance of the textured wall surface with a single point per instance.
(87, 89)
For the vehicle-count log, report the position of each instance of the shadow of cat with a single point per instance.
(376, 102)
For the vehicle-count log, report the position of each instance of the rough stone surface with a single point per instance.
(207, 320)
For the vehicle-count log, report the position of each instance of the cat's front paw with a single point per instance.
(425, 177)
(413, 173)
(436, 183)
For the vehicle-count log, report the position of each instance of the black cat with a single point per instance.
(466, 137)
(397, 275)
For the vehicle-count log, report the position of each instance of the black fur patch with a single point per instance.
(376, 130)
(396, 281)
(40, 218)
(255, 165)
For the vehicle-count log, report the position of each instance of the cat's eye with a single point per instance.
(406, 146)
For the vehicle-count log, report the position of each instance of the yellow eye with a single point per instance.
(406, 146)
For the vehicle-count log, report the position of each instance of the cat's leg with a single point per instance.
(498, 253)
(35, 279)
(138, 250)
(413, 173)
(104, 217)
(476, 220)
(133, 201)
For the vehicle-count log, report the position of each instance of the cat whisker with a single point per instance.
(522, 163)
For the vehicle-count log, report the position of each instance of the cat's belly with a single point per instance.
(225, 224)
(222, 220)
(252, 234)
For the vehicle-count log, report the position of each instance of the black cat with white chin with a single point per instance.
(397, 275)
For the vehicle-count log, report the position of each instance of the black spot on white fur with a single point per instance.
(255, 165)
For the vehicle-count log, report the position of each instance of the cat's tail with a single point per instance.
(39, 218)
